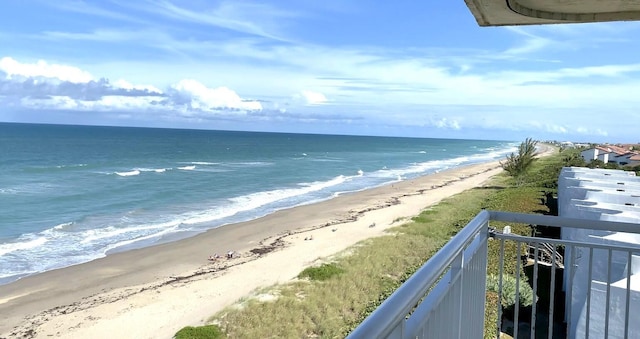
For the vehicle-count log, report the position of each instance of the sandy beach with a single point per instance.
(155, 291)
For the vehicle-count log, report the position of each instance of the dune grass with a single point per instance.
(332, 306)
(201, 332)
(337, 297)
(321, 273)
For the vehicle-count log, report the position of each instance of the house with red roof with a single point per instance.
(612, 153)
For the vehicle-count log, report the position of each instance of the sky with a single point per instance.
(388, 68)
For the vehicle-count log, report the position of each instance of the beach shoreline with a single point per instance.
(152, 292)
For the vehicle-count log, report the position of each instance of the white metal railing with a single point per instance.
(446, 297)
(463, 284)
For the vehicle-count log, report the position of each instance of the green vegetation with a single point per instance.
(517, 165)
(321, 273)
(338, 296)
(202, 332)
(600, 164)
(509, 290)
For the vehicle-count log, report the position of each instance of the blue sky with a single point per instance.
(408, 68)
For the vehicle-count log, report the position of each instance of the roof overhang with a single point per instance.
(535, 12)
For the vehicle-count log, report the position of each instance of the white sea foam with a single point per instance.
(209, 215)
(128, 174)
(328, 160)
(494, 153)
(187, 168)
(74, 165)
(95, 235)
(123, 243)
(259, 199)
(29, 188)
(205, 163)
(157, 170)
(8, 190)
(13, 275)
(318, 185)
(115, 237)
(249, 164)
(438, 165)
(423, 152)
(21, 245)
(63, 226)
(360, 173)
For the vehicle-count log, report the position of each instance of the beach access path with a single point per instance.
(155, 291)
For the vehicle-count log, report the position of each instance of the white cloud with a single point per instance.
(55, 102)
(362, 84)
(43, 69)
(447, 123)
(257, 19)
(60, 87)
(121, 83)
(556, 128)
(122, 103)
(105, 103)
(314, 98)
(531, 43)
(360, 75)
(203, 98)
(587, 131)
(549, 127)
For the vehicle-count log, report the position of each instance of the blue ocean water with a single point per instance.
(71, 194)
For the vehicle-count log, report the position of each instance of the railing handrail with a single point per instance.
(400, 303)
(388, 317)
(548, 220)
(576, 243)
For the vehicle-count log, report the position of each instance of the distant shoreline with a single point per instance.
(180, 270)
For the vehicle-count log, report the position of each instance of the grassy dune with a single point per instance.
(328, 302)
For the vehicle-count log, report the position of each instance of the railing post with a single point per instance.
(500, 275)
(457, 277)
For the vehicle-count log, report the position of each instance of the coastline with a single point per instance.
(151, 292)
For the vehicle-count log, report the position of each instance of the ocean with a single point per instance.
(71, 194)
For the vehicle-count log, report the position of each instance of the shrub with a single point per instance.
(200, 332)
(321, 273)
(572, 158)
(509, 290)
(518, 164)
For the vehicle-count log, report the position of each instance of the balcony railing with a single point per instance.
(446, 297)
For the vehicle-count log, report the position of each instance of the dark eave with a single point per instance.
(535, 12)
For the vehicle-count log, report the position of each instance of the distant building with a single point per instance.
(634, 160)
(596, 153)
(629, 158)
(611, 153)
